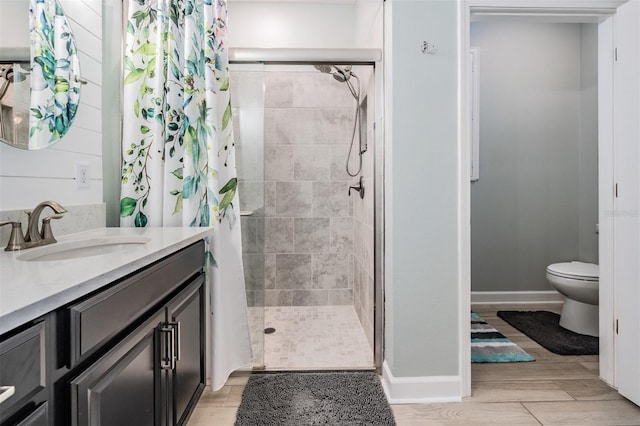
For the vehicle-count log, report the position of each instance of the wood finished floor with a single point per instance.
(553, 390)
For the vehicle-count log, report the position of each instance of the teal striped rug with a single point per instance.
(489, 345)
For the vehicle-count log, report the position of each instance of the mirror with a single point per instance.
(39, 74)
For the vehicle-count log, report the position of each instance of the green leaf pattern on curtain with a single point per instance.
(178, 164)
(54, 99)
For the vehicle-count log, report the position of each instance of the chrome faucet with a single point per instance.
(34, 237)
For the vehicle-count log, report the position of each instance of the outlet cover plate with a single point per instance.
(83, 178)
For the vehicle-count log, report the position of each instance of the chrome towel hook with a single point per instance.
(429, 48)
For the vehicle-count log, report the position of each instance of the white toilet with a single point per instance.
(578, 283)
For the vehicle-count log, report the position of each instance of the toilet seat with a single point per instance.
(575, 271)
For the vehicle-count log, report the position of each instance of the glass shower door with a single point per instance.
(247, 101)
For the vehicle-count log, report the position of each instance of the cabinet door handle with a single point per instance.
(6, 392)
(178, 345)
(168, 361)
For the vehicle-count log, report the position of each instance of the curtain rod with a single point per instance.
(339, 56)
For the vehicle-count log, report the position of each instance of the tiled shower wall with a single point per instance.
(363, 218)
(308, 229)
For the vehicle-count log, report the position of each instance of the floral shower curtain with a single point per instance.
(54, 92)
(178, 166)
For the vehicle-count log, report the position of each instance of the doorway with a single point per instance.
(605, 46)
(535, 199)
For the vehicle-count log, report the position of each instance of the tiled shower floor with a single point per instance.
(311, 337)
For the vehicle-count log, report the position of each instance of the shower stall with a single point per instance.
(310, 197)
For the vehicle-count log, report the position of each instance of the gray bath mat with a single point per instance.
(544, 328)
(314, 398)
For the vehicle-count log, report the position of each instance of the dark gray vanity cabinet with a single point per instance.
(153, 376)
(24, 370)
(130, 353)
(186, 380)
(137, 349)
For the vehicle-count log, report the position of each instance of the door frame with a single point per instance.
(577, 11)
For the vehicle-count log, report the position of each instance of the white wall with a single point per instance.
(263, 24)
(369, 22)
(588, 161)
(305, 24)
(29, 177)
(14, 27)
(112, 113)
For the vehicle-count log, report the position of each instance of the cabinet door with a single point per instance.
(186, 314)
(40, 417)
(121, 387)
(23, 367)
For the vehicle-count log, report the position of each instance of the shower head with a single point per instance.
(323, 68)
(10, 77)
(342, 74)
(6, 72)
(12, 74)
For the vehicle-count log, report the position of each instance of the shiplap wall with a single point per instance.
(29, 177)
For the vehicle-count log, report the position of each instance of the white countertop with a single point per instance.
(29, 289)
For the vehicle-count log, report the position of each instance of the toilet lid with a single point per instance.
(575, 270)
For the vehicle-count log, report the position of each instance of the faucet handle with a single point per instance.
(47, 234)
(16, 239)
(27, 237)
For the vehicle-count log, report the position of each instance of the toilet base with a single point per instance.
(580, 317)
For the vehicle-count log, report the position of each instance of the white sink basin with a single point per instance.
(82, 248)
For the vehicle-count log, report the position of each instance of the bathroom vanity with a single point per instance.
(115, 336)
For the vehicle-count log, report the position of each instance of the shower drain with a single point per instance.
(269, 330)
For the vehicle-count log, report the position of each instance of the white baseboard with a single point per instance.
(420, 390)
(488, 297)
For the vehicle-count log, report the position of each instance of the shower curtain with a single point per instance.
(178, 163)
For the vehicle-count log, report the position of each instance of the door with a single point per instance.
(120, 388)
(186, 314)
(626, 212)
(247, 101)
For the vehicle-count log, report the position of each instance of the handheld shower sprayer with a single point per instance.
(10, 76)
(343, 75)
(6, 73)
(340, 74)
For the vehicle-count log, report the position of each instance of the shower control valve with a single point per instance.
(359, 187)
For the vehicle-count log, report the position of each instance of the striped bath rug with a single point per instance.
(489, 345)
